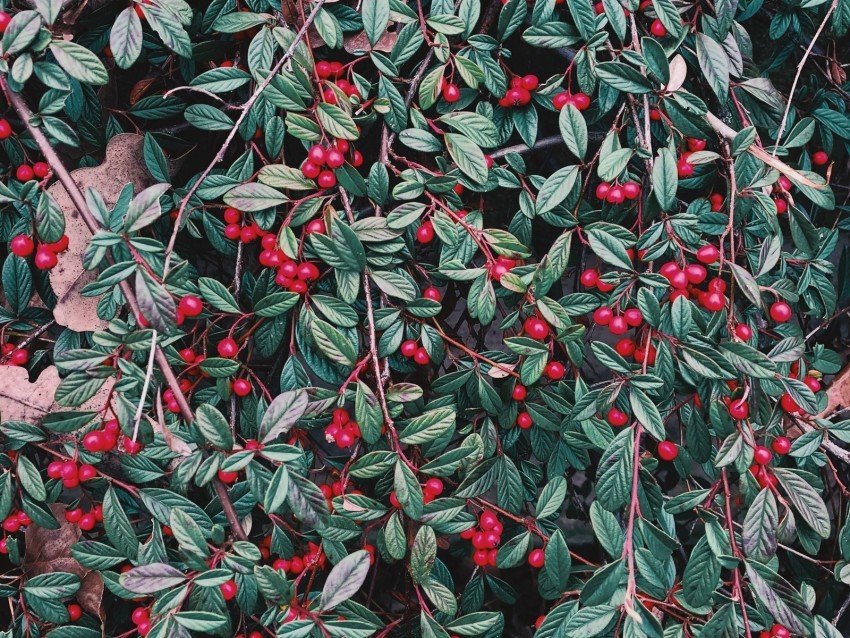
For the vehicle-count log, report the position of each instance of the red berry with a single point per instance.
(708, 254)
(488, 520)
(94, 441)
(554, 370)
(19, 357)
(633, 317)
(432, 293)
(227, 477)
(21, 245)
(232, 231)
(684, 169)
(617, 417)
(781, 205)
(24, 173)
(54, 470)
(667, 451)
(695, 144)
(779, 631)
(421, 356)
(408, 348)
(5, 127)
(602, 190)
(696, 273)
(326, 179)
(716, 200)
(74, 515)
(658, 29)
(589, 278)
(75, 612)
(45, 259)
(425, 233)
(191, 306)
(820, 158)
(530, 82)
(536, 558)
(41, 169)
(780, 312)
(316, 155)
(451, 93)
(739, 409)
(334, 158)
(480, 557)
(762, 455)
(87, 522)
(227, 348)
(241, 387)
(519, 392)
(603, 315)
(788, 404)
(434, 485)
(86, 473)
(812, 383)
(625, 347)
(615, 195)
(228, 589)
(536, 328)
(316, 226)
(631, 190)
(714, 301)
(310, 170)
(743, 332)
(357, 159)
(524, 420)
(618, 326)
(781, 445)
(140, 614)
(307, 271)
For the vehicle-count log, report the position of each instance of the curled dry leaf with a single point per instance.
(49, 550)
(358, 42)
(124, 164)
(21, 400)
(838, 394)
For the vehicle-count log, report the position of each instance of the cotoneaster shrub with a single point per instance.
(424, 318)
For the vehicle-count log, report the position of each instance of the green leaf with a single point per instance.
(573, 130)
(214, 427)
(337, 122)
(152, 578)
(332, 343)
(253, 196)
(283, 412)
(623, 77)
(760, 525)
(118, 528)
(145, 208)
(345, 579)
(20, 32)
(376, 15)
(556, 188)
(428, 426)
(423, 553)
(665, 179)
(647, 413)
(125, 38)
(218, 296)
(806, 501)
(467, 155)
(78, 62)
(780, 598)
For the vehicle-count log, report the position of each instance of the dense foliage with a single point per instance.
(424, 318)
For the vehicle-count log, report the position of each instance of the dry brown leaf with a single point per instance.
(49, 550)
(21, 400)
(838, 394)
(123, 164)
(360, 42)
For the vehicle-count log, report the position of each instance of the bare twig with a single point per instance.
(148, 374)
(800, 66)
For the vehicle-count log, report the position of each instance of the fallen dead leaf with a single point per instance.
(49, 550)
(838, 393)
(123, 164)
(21, 400)
(360, 42)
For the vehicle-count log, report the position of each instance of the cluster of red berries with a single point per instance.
(297, 564)
(170, 399)
(295, 277)
(235, 228)
(777, 631)
(579, 100)
(519, 94)
(683, 167)
(618, 324)
(590, 279)
(319, 156)
(330, 71)
(501, 266)
(779, 193)
(141, 617)
(418, 353)
(71, 474)
(787, 402)
(342, 430)
(104, 439)
(25, 172)
(45, 254)
(485, 539)
(15, 521)
(617, 194)
(86, 521)
(14, 356)
(334, 488)
(431, 489)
